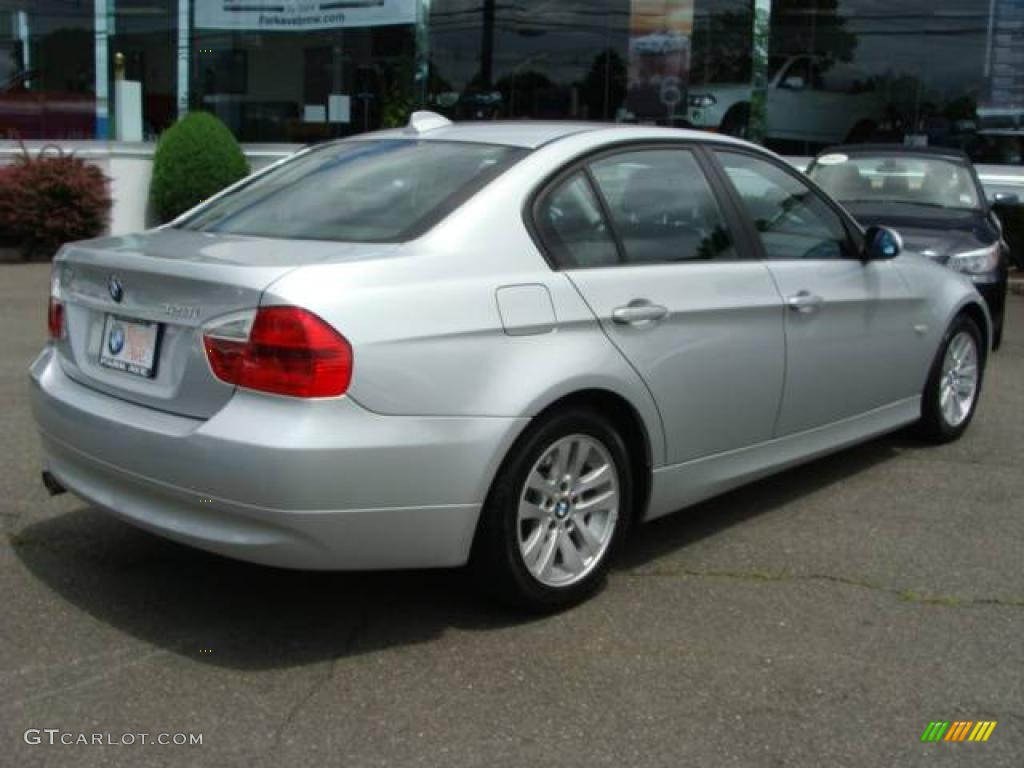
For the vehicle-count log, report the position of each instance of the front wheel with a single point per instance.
(737, 122)
(954, 383)
(557, 509)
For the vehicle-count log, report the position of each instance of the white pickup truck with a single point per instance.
(809, 99)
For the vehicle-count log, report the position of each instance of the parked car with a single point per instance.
(494, 343)
(810, 99)
(25, 112)
(934, 198)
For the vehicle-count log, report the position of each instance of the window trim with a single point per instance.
(582, 162)
(854, 233)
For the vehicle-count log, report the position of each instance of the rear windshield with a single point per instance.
(387, 190)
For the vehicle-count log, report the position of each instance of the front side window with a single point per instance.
(792, 220)
(363, 191)
(662, 207)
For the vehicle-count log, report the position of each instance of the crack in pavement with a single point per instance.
(358, 628)
(755, 576)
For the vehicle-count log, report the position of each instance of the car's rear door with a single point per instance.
(849, 322)
(651, 247)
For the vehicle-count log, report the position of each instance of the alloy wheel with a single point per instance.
(568, 510)
(958, 382)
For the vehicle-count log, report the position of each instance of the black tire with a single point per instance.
(934, 426)
(737, 121)
(497, 563)
(861, 133)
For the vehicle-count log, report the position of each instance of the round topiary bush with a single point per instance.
(195, 159)
(51, 199)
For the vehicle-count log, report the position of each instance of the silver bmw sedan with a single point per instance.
(494, 343)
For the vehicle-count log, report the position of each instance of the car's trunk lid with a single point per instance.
(179, 280)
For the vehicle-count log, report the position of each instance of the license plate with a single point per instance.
(130, 346)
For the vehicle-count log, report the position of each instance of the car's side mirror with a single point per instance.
(1005, 198)
(882, 243)
(794, 83)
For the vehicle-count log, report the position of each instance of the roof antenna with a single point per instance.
(423, 121)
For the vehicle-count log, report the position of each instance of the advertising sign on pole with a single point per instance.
(659, 58)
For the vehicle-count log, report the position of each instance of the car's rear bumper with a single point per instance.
(304, 484)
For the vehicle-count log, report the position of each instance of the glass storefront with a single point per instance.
(796, 75)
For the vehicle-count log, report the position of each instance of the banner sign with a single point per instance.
(299, 15)
(1006, 55)
(659, 58)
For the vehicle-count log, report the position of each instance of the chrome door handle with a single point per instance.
(805, 302)
(639, 312)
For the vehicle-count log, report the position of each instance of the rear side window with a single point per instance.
(662, 207)
(644, 206)
(365, 191)
(574, 228)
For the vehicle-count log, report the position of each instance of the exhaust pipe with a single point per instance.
(52, 484)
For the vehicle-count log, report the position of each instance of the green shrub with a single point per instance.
(195, 159)
(51, 199)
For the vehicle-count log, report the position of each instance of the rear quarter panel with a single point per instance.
(426, 331)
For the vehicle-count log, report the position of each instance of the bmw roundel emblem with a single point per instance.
(115, 341)
(115, 288)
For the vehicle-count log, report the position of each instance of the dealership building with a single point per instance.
(795, 75)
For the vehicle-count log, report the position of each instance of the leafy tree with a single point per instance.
(603, 88)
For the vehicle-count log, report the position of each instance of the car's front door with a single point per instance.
(849, 323)
(643, 237)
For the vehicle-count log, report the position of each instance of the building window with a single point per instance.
(47, 70)
(304, 77)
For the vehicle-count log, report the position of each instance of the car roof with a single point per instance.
(947, 153)
(531, 134)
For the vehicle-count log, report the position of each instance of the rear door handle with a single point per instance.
(805, 302)
(639, 312)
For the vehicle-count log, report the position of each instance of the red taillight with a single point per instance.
(289, 351)
(55, 318)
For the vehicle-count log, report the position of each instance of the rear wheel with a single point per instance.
(951, 394)
(557, 510)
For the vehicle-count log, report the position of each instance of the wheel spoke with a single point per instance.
(949, 409)
(591, 544)
(579, 456)
(960, 347)
(532, 545)
(530, 511)
(964, 387)
(571, 559)
(594, 479)
(596, 501)
(538, 484)
(546, 557)
(558, 461)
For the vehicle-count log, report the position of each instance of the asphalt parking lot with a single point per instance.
(822, 617)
